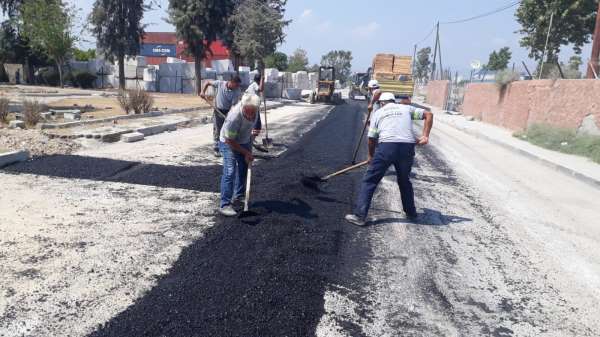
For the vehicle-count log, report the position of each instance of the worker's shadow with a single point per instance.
(295, 206)
(427, 217)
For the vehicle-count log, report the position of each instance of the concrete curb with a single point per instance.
(577, 175)
(47, 126)
(12, 157)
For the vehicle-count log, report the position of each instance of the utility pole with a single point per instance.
(433, 66)
(593, 66)
(439, 44)
(546, 46)
(414, 60)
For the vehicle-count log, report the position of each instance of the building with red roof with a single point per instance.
(157, 46)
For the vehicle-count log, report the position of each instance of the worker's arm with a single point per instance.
(235, 146)
(203, 92)
(372, 147)
(374, 99)
(428, 117)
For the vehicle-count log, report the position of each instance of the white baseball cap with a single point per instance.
(373, 84)
(387, 96)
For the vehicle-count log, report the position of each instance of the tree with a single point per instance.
(575, 62)
(199, 23)
(48, 25)
(422, 64)
(499, 60)
(258, 30)
(117, 26)
(341, 60)
(573, 23)
(227, 36)
(298, 61)
(10, 8)
(84, 55)
(277, 60)
(313, 69)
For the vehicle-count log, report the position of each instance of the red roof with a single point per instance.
(219, 50)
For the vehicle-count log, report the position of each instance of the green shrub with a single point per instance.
(563, 140)
(84, 79)
(4, 109)
(506, 77)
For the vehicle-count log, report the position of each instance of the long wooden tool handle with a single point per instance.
(248, 183)
(347, 169)
(362, 135)
(266, 123)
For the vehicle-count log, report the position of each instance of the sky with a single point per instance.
(384, 26)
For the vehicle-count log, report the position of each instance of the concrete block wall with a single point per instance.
(437, 93)
(560, 103)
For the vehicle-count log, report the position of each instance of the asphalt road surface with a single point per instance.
(503, 247)
(478, 262)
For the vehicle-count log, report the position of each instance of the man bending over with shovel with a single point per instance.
(391, 142)
(235, 145)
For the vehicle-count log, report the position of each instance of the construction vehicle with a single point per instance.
(358, 85)
(394, 74)
(325, 90)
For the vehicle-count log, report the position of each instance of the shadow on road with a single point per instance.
(197, 178)
(428, 217)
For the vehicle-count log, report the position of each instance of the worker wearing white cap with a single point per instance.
(374, 95)
(392, 142)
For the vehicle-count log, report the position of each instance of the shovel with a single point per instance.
(314, 181)
(267, 142)
(362, 135)
(246, 212)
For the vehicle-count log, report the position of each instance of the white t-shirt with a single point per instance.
(393, 123)
(254, 89)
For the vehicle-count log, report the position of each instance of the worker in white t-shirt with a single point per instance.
(392, 142)
(257, 87)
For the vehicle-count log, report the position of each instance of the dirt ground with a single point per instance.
(103, 107)
(94, 103)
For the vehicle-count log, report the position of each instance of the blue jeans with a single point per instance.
(401, 155)
(233, 180)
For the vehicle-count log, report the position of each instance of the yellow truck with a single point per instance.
(394, 74)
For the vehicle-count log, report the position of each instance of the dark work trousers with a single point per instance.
(401, 155)
(219, 119)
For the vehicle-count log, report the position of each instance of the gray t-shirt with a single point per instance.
(237, 127)
(393, 123)
(225, 98)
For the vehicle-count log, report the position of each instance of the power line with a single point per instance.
(498, 10)
(428, 35)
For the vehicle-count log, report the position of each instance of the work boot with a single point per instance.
(355, 220)
(227, 211)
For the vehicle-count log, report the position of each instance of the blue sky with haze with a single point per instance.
(370, 27)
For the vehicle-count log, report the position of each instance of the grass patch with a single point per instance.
(563, 140)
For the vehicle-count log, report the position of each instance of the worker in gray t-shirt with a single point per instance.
(235, 144)
(392, 142)
(227, 94)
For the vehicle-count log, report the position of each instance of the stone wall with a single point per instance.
(560, 103)
(437, 92)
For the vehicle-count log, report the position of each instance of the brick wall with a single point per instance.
(437, 92)
(560, 103)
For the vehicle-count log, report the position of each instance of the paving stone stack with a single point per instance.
(313, 79)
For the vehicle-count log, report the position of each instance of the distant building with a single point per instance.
(157, 46)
